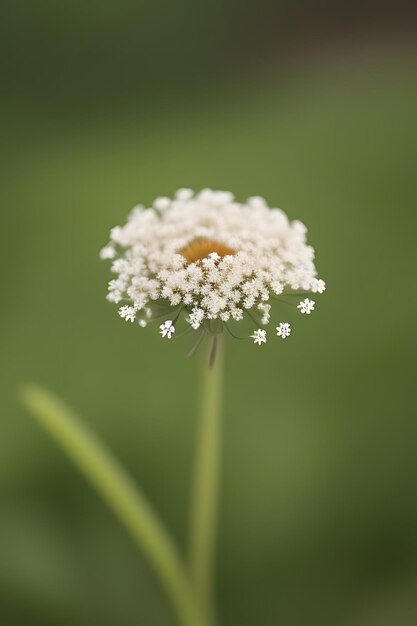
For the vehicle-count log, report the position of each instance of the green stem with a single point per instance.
(204, 497)
(115, 486)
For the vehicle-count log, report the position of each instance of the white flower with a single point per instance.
(306, 306)
(184, 194)
(318, 286)
(265, 308)
(259, 336)
(196, 317)
(211, 256)
(284, 330)
(108, 252)
(167, 329)
(128, 313)
(161, 204)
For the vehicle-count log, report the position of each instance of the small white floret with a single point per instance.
(167, 329)
(265, 309)
(306, 306)
(162, 203)
(284, 330)
(256, 202)
(259, 336)
(196, 317)
(184, 194)
(108, 252)
(128, 313)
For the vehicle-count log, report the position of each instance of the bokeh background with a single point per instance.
(311, 104)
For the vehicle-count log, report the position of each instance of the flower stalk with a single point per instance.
(205, 487)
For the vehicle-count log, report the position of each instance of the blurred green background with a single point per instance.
(312, 105)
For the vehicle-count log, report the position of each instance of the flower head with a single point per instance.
(259, 336)
(167, 329)
(128, 313)
(210, 258)
(306, 306)
(284, 330)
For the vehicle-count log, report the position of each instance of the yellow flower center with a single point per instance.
(201, 248)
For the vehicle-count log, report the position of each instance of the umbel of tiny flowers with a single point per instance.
(306, 306)
(209, 261)
(284, 330)
(167, 329)
(259, 336)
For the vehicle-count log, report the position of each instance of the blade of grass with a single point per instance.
(125, 499)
